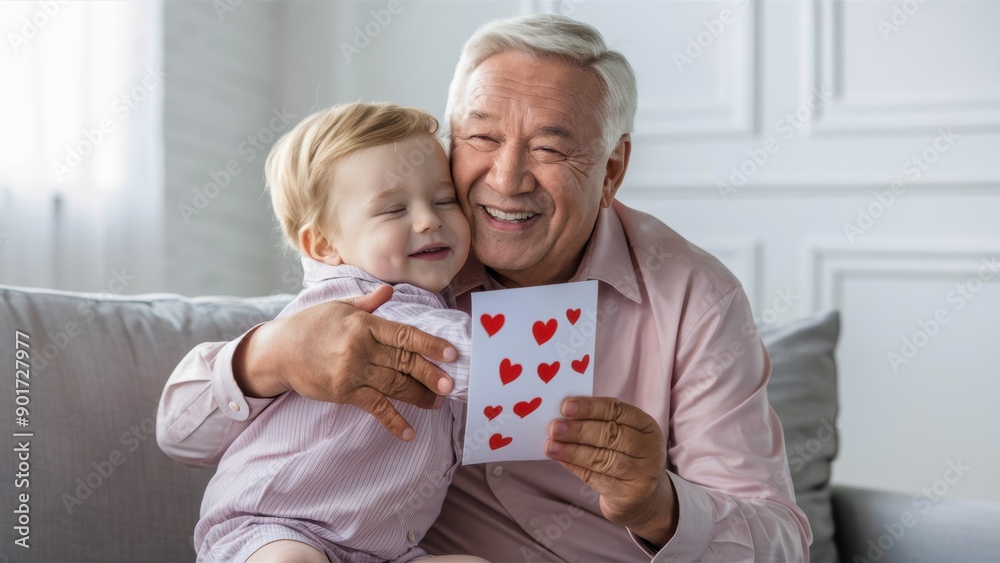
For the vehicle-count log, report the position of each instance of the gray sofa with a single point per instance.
(99, 489)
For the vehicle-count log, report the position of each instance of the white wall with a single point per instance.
(219, 106)
(783, 232)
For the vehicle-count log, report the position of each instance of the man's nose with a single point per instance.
(509, 174)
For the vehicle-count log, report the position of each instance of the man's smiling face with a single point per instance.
(529, 165)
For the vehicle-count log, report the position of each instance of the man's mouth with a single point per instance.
(510, 217)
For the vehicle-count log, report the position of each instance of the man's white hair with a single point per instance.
(549, 35)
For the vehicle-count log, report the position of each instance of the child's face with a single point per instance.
(396, 215)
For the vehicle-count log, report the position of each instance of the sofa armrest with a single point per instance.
(886, 527)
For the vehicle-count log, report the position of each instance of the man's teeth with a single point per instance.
(504, 216)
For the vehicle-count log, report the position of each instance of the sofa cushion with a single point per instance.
(99, 487)
(803, 392)
(101, 490)
(880, 526)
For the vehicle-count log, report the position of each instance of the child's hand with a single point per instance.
(342, 354)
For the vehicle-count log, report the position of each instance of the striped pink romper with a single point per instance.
(330, 475)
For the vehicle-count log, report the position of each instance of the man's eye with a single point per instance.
(548, 154)
(482, 141)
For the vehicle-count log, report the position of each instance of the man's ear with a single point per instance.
(319, 247)
(614, 174)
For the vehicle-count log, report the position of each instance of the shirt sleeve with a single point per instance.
(202, 409)
(726, 450)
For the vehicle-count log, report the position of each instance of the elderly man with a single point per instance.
(677, 457)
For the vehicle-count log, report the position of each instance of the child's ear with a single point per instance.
(319, 247)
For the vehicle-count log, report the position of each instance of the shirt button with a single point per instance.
(233, 406)
(535, 523)
(498, 471)
(411, 536)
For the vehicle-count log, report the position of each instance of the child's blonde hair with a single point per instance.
(299, 168)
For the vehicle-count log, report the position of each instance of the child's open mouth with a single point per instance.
(432, 253)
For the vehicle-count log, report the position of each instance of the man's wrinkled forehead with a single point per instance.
(494, 94)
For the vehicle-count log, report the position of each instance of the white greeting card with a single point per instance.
(531, 348)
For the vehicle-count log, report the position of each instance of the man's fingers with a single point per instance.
(602, 434)
(391, 383)
(375, 403)
(597, 460)
(414, 367)
(374, 300)
(406, 337)
(607, 408)
(417, 367)
(401, 351)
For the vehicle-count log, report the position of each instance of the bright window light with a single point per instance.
(69, 74)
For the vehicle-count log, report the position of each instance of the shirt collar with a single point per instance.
(607, 258)
(314, 271)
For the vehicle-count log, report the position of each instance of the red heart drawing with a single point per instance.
(581, 364)
(508, 371)
(497, 441)
(548, 371)
(544, 331)
(492, 324)
(524, 408)
(493, 412)
(573, 315)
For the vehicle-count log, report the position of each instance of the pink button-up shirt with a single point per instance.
(675, 337)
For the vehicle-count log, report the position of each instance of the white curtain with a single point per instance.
(81, 145)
